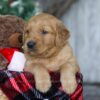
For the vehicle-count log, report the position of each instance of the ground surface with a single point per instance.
(91, 92)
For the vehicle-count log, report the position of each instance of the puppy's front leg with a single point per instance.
(68, 78)
(42, 77)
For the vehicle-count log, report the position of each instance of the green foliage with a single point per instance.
(21, 8)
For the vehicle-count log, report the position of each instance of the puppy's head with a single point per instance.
(43, 33)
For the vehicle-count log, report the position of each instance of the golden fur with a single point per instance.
(51, 53)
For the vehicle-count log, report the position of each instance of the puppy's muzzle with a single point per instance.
(31, 44)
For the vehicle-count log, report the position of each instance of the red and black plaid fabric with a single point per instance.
(21, 86)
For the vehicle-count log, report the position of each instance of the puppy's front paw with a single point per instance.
(43, 85)
(69, 84)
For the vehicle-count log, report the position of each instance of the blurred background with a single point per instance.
(82, 18)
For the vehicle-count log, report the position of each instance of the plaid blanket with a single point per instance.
(21, 86)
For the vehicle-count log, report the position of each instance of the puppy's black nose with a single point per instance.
(31, 44)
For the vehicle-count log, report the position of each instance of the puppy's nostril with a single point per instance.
(31, 44)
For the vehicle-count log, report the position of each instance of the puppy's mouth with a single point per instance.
(43, 54)
(33, 50)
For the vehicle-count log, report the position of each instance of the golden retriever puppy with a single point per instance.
(47, 49)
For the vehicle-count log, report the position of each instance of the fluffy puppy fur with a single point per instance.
(46, 48)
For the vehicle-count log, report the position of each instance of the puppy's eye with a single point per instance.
(44, 32)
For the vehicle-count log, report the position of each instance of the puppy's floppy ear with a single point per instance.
(62, 34)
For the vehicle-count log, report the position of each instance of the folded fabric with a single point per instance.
(21, 86)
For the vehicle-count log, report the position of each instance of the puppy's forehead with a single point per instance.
(40, 24)
(41, 21)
